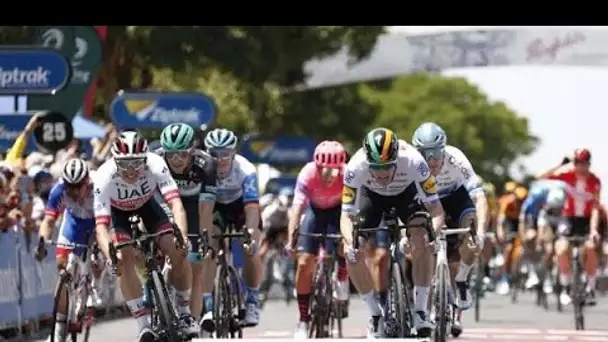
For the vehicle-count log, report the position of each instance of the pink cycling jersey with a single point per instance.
(310, 189)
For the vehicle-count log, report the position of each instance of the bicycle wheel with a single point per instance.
(237, 312)
(83, 318)
(64, 284)
(268, 278)
(318, 308)
(442, 314)
(578, 295)
(166, 315)
(399, 301)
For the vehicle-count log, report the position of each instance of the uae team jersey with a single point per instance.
(310, 189)
(112, 192)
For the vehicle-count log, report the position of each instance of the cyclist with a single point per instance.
(275, 218)
(489, 245)
(194, 172)
(71, 196)
(582, 218)
(540, 215)
(125, 185)
(384, 174)
(463, 200)
(237, 200)
(507, 224)
(317, 197)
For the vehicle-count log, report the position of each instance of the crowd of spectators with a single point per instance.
(26, 179)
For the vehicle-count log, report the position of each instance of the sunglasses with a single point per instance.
(432, 153)
(385, 166)
(181, 154)
(74, 186)
(221, 153)
(130, 164)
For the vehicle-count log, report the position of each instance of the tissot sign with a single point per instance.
(398, 54)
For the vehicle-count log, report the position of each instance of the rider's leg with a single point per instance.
(562, 251)
(62, 307)
(130, 287)
(532, 255)
(342, 288)
(362, 280)
(307, 250)
(467, 250)
(208, 274)
(422, 275)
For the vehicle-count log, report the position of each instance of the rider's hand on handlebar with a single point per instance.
(351, 253)
(594, 236)
(40, 253)
(115, 269)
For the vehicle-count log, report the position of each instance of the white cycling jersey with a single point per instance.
(275, 216)
(242, 181)
(456, 171)
(410, 168)
(112, 191)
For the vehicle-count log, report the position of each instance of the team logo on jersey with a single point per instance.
(429, 186)
(348, 195)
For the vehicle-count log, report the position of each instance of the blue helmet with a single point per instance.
(429, 136)
(285, 191)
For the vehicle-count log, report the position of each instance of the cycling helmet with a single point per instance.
(429, 136)
(556, 198)
(330, 154)
(221, 138)
(582, 155)
(285, 196)
(177, 136)
(381, 146)
(75, 171)
(129, 144)
(521, 193)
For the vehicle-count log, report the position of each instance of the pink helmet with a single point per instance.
(330, 154)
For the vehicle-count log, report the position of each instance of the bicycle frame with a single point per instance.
(578, 286)
(443, 283)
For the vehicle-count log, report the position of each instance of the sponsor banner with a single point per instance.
(157, 110)
(83, 47)
(279, 151)
(37, 71)
(398, 54)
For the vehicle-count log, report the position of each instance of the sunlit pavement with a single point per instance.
(501, 321)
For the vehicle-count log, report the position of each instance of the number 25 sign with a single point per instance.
(53, 132)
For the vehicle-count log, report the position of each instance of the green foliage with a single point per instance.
(490, 134)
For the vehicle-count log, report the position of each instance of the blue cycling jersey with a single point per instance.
(537, 195)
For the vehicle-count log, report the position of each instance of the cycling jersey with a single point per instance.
(583, 193)
(538, 195)
(310, 189)
(456, 172)
(275, 216)
(198, 181)
(242, 181)
(410, 169)
(78, 223)
(112, 192)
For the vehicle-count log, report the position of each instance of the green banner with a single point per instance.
(83, 47)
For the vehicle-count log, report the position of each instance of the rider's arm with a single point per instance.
(51, 212)
(168, 188)
(550, 173)
(206, 198)
(300, 200)
(427, 190)
(595, 214)
(474, 186)
(251, 198)
(352, 181)
(101, 205)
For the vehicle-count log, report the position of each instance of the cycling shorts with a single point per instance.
(192, 217)
(317, 221)
(74, 230)
(152, 215)
(372, 206)
(575, 226)
(457, 206)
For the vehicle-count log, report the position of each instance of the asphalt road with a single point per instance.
(500, 321)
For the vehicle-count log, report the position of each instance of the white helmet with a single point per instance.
(129, 144)
(556, 198)
(75, 171)
(221, 138)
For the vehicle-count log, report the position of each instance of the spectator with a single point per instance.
(15, 154)
(43, 183)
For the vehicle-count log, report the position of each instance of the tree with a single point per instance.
(490, 134)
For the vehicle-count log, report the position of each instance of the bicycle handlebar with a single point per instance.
(390, 219)
(322, 235)
(68, 245)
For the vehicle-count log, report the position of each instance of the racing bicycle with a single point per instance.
(228, 304)
(400, 300)
(165, 321)
(326, 312)
(443, 290)
(75, 279)
(578, 285)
